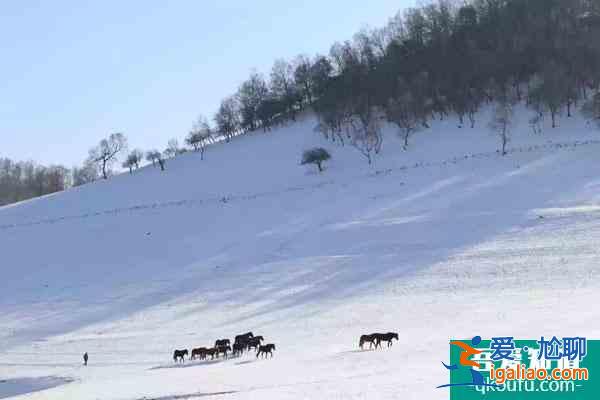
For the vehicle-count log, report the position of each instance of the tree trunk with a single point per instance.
(319, 166)
(104, 175)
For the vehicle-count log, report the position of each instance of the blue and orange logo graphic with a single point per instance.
(467, 352)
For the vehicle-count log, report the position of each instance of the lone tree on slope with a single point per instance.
(316, 156)
(156, 157)
(106, 153)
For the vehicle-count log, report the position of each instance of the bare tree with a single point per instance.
(157, 158)
(133, 160)
(365, 131)
(199, 136)
(161, 161)
(331, 125)
(228, 118)
(535, 122)
(87, 173)
(502, 121)
(365, 125)
(250, 95)
(128, 164)
(153, 156)
(551, 90)
(400, 112)
(302, 77)
(136, 157)
(283, 86)
(173, 149)
(106, 153)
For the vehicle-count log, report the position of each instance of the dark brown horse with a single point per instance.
(371, 339)
(210, 352)
(179, 355)
(198, 353)
(385, 337)
(266, 349)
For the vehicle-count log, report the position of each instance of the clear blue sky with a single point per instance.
(72, 72)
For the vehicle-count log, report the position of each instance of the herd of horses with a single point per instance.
(247, 342)
(242, 343)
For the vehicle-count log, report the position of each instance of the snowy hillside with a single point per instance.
(447, 239)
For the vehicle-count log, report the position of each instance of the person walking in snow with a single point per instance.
(85, 358)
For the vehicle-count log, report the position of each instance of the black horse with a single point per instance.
(243, 338)
(371, 339)
(238, 349)
(385, 337)
(179, 355)
(222, 342)
(223, 350)
(266, 349)
(254, 343)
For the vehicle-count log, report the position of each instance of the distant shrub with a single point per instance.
(317, 156)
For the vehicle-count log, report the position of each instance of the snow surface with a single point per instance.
(445, 240)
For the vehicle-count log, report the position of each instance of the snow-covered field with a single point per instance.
(445, 240)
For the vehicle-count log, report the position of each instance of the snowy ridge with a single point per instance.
(253, 196)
